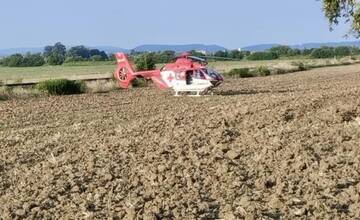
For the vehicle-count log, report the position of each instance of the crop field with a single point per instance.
(277, 147)
(91, 70)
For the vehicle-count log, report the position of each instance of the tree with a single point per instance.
(59, 48)
(96, 52)
(48, 51)
(79, 51)
(339, 9)
(55, 55)
(281, 50)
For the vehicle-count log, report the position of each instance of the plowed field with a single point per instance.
(278, 147)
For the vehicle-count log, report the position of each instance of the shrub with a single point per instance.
(240, 72)
(97, 58)
(263, 71)
(33, 60)
(279, 71)
(263, 56)
(14, 60)
(4, 93)
(61, 87)
(145, 62)
(323, 52)
(55, 59)
(139, 82)
(18, 60)
(300, 66)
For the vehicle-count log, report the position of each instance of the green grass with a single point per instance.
(49, 72)
(84, 69)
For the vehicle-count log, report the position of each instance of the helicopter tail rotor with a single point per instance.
(124, 73)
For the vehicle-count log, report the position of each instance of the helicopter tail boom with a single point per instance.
(125, 73)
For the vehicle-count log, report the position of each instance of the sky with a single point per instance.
(229, 23)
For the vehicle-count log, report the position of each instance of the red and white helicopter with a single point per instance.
(186, 74)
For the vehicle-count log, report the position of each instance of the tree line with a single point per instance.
(59, 54)
(55, 55)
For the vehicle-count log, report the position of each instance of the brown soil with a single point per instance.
(279, 147)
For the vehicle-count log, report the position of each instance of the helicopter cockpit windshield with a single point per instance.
(212, 73)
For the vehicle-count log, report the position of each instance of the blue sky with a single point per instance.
(231, 23)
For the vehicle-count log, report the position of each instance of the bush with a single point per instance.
(97, 58)
(18, 60)
(324, 52)
(300, 66)
(240, 72)
(145, 62)
(14, 60)
(279, 71)
(56, 59)
(33, 60)
(139, 82)
(263, 71)
(263, 56)
(61, 87)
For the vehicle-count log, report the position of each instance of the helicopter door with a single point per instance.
(189, 77)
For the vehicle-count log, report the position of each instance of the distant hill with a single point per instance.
(259, 47)
(22, 50)
(329, 44)
(263, 47)
(179, 48)
(182, 48)
(111, 49)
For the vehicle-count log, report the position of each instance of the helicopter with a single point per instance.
(187, 73)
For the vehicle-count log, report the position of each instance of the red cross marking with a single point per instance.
(170, 78)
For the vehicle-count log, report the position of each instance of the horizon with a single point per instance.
(245, 46)
(228, 25)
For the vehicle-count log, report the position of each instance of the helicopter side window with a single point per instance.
(189, 77)
(199, 74)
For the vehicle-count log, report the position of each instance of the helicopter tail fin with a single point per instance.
(124, 73)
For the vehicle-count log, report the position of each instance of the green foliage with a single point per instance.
(74, 59)
(240, 72)
(61, 87)
(14, 60)
(79, 51)
(263, 71)
(96, 52)
(18, 60)
(301, 66)
(82, 53)
(145, 61)
(342, 51)
(55, 59)
(4, 93)
(164, 57)
(33, 60)
(55, 55)
(97, 58)
(263, 56)
(336, 10)
(236, 54)
(323, 52)
(281, 50)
